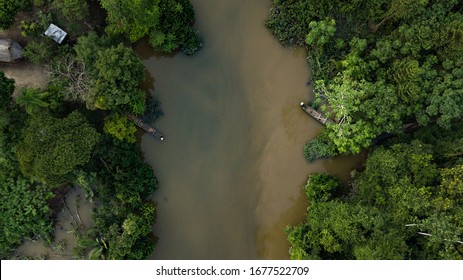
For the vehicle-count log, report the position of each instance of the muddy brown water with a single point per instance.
(231, 168)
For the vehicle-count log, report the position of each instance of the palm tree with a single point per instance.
(31, 99)
(97, 247)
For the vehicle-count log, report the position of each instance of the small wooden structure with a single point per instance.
(146, 127)
(10, 51)
(318, 116)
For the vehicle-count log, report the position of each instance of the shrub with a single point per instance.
(319, 148)
(322, 187)
(9, 9)
(38, 51)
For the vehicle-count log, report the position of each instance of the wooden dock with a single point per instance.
(146, 127)
(315, 114)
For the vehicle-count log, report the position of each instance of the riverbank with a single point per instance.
(232, 167)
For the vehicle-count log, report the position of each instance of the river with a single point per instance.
(231, 168)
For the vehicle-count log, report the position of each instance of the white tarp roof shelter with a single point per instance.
(56, 33)
(9, 50)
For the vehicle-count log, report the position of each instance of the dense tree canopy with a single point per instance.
(54, 147)
(73, 14)
(122, 227)
(131, 18)
(119, 72)
(377, 65)
(103, 76)
(120, 127)
(166, 22)
(24, 211)
(174, 30)
(406, 204)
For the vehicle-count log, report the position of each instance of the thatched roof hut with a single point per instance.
(9, 50)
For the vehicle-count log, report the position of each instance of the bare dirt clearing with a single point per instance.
(26, 74)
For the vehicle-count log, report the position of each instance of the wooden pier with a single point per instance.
(315, 114)
(146, 127)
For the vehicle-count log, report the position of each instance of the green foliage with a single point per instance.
(87, 182)
(124, 173)
(9, 9)
(344, 96)
(24, 212)
(36, 26)
(402, 10)
(54, 147)
(120, 127)
(72, 10)
(332, 229)
(119, 72)
(193, 43)
(322, 187)
(174, 30)
(153, 111)
(321, 32)
(405, 74)
(123, 223)
(290, 20)
(29, 28)
(167, 22)
(122, 237)
(73, 14)
(6, 91)
(106, 77)
(406, 204)
(12, 120)
(133, 19)
(53, 96)
(88, 47)
(32, 99)
(320, 147)
(378, 65)
(39, 51)
(130, 240)
(113, 76)
(39, 3)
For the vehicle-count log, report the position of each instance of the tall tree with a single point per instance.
(404, 205)
(116, 85)
(109, 76)
(53, 147)
(168, 23)
(120, 127)
(131, 18)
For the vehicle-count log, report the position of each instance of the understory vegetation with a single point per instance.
(75, 131)
(378, 68)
